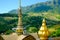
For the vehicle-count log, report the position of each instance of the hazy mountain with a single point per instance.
(13, 11)
(40, 7)
(49, 9)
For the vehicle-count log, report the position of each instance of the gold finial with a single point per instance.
(43, 31)
(44, 22)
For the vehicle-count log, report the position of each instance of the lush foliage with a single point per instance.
(32, 18)
(55, 31)
(9, 32)
(32, 29)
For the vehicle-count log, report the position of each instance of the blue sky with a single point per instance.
(7, 5)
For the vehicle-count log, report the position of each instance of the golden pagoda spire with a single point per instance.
(43, 31)
(19, 29)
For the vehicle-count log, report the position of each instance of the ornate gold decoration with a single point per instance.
(43, 32)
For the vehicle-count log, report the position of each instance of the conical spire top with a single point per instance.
(20, 16)
(19, 4)
(43, 27)
(43, 31)
(19, 29)
(44, 22)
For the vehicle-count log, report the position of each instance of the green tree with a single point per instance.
(32, 29)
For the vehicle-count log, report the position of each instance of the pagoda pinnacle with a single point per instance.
(19, 29)
(43, 31)
(44, 22)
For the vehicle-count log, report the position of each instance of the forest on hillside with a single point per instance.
(32, 17)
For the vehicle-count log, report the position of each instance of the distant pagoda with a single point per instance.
(19, 29)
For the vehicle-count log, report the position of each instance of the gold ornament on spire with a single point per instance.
(43, 32)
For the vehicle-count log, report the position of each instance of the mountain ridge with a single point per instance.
(39, 7)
